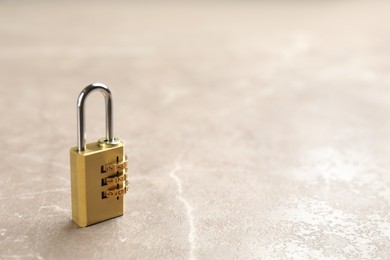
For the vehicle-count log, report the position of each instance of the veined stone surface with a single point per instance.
(253, 130)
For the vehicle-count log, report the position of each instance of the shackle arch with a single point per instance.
(81, 136)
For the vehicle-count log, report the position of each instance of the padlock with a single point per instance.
(98, 170)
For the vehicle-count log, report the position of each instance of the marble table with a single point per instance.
(253, 130)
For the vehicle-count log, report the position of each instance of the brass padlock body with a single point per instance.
(89, 204)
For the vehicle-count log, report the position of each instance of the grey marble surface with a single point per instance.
(253, 130)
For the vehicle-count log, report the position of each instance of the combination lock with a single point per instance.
(98, 169)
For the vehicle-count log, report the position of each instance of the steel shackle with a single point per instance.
(81, 137)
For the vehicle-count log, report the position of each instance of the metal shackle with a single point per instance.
(81, 137)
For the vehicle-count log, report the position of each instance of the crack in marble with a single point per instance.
(15, 256)
(35, 159)
(32, 194)
(188, 209)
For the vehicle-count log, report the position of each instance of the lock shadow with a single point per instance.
(68, 240)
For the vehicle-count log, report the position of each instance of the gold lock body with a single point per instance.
(98, 182)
